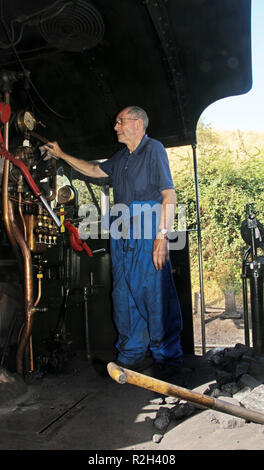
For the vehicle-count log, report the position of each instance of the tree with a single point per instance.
(228, 180)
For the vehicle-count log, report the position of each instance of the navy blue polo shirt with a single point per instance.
(141, 175)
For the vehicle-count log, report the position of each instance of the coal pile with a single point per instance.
(236, 369)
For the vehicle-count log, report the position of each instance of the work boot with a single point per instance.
(100, 366)
(139, 366)
(162, 371)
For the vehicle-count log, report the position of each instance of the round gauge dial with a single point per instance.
(26, 121)
(65, 195)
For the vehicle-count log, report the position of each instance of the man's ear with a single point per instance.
(140, 124)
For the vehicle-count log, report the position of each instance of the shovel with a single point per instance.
(122, 375)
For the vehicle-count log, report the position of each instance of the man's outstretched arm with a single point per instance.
(84, 167)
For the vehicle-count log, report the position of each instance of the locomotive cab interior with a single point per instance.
(66, 69)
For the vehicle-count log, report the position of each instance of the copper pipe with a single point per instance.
(39, 276)
(32, 311)
(16, 240)
(5, 205)
(28, 291)
(21, 215)
(5, 186)
(31, 356)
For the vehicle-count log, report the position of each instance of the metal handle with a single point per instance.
(50, 211)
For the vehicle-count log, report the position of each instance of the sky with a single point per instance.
(244, 112)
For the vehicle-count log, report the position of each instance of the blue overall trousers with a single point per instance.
(147, 312)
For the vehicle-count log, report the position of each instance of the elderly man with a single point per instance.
(146, 308)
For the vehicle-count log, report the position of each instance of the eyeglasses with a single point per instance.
(120, 121)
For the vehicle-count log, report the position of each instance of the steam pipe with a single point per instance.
(28, 291)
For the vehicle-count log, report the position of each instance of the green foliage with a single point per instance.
(229, 178)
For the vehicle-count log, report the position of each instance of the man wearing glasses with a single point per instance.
(146, 308)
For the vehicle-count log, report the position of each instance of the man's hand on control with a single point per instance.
(54, 149)
(160, 252)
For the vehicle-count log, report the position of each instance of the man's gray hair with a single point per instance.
(139, 113)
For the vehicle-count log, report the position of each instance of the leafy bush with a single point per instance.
(230, 174)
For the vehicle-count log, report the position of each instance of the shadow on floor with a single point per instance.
(83, 410)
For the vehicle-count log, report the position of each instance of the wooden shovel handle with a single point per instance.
(123, 375)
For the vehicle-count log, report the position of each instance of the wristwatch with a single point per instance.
(164, 231)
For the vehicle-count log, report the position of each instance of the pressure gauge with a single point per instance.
(26, 121)
(65, 195)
